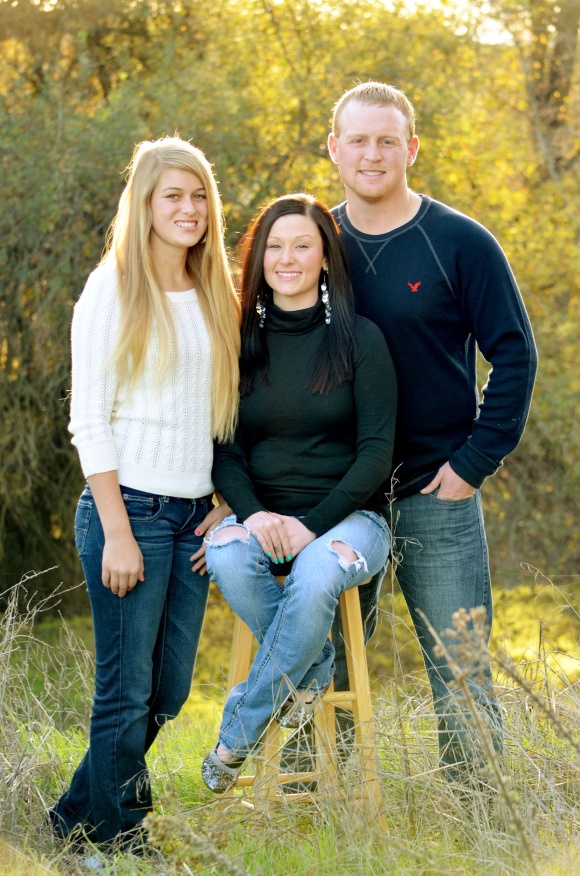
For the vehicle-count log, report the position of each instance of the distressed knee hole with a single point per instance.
(347, 556)
(229, 533)
(343, 550)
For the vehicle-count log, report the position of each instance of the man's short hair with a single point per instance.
(375, 94)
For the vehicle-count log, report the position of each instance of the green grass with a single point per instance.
(531, 826)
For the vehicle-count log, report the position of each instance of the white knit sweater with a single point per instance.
(158, 436)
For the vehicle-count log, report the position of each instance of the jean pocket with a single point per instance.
(142, 508)
(83, 516)
(451, 502)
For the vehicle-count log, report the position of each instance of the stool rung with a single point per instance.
(337, 697)
(280, 778)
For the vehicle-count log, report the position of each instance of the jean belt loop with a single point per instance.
(199, 503)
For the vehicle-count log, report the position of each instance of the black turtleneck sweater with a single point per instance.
(311, 456)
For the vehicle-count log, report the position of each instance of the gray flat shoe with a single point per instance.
(297, 713)
(217, 775)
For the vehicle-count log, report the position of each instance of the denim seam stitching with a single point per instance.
(268, 657)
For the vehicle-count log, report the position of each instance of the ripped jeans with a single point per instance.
(292, 622)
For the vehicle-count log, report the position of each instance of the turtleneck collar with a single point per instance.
(294, 322)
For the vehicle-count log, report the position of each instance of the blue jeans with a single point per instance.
(442, 565)
(292, 622)
(146, 645)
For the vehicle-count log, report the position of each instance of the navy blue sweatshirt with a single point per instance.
(437, 287)
(318, 457)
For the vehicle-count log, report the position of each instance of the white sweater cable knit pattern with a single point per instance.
(158, 436)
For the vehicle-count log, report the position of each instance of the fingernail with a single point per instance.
(269, 553)
(275, 561)
(289, 557)
(197, 531)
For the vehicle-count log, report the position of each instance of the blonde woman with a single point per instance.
(155, 344)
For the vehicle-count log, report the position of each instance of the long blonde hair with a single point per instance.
(142, 302)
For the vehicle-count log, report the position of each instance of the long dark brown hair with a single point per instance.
(334, 356)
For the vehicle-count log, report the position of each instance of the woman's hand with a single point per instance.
(122, 563)
(218, 513)
(298, 535)
(271, 533)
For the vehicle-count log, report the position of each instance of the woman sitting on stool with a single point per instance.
(305, 474)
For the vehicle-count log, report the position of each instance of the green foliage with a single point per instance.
(253, 85)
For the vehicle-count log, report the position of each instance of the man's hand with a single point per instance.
(451, 486)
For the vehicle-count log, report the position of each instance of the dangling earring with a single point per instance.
(261, 311)
(326, 298)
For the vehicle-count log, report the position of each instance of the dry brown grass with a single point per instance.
(523, 819)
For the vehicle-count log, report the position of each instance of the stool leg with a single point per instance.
(325, 735)
(267, 768)
(359, 685)
(240, 660)
(356, 657)
(241, 653)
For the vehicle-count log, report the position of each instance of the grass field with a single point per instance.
(527, 821)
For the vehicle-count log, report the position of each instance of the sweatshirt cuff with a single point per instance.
(471, 465)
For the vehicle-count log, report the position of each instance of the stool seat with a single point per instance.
(267, 781)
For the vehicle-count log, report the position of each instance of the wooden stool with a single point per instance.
(267, 779)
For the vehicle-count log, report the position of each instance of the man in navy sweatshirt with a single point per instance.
(438, 285)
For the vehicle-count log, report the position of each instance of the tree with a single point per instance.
(253, 85)
(546, 35)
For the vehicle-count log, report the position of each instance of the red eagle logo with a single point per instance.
(414, 287)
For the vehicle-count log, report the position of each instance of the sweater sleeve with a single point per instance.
(231, 477)
(94, 383)
(494, 312)
(375, 393)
